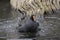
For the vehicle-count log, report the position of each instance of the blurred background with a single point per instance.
(47, 12)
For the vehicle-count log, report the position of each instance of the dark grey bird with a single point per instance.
(30, 25)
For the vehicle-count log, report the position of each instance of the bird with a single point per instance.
(29, 26)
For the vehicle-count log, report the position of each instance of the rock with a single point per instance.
(35, 6)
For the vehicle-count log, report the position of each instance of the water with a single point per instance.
(8, 20)
(50, 26)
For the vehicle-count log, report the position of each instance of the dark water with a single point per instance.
(8, 20)
(50, 26)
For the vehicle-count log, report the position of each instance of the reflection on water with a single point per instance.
(4, 10)
(50, 26)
